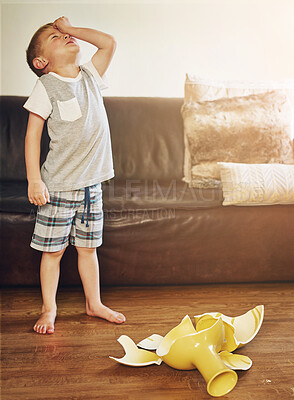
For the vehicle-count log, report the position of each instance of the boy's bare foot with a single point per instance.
(102, 311)
(45, 323)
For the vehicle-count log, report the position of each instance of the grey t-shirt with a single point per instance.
(80, 151)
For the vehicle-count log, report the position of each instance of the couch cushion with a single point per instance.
(13, 123)
(119, 196)
(217, 244)
(14, 198)
(146, 195)
(146, 136)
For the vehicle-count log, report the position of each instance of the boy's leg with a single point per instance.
(89, 272)
(52, 229)
(49, 277)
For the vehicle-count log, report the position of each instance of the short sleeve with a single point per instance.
(102, 82)
(38, 102)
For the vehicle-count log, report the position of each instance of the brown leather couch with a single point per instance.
(156, 229)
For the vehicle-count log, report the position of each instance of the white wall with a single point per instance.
(159, 41)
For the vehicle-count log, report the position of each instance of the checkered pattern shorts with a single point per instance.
(60, 221)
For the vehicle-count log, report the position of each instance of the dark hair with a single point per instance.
(35, 48)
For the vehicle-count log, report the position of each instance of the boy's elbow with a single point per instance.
(113, 41)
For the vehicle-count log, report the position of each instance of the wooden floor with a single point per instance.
(73, 363)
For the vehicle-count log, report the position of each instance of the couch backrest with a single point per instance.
(146, 136)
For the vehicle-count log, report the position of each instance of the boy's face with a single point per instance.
(58, 48)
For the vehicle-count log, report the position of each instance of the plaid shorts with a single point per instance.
(64, 219)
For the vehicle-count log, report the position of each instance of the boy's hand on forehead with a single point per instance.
(62, 24)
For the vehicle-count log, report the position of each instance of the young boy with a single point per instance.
(79, 159)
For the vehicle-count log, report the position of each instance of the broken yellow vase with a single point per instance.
(235, 361)
(184, 348)
(238, 330)
(135, 357)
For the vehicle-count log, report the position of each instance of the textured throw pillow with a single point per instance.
(246, 129)
(201, 89)
(257, 184)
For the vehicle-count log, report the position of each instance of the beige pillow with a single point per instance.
(257, 184)
(246, 129)
(201, 89)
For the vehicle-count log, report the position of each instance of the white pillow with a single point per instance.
(257, 184)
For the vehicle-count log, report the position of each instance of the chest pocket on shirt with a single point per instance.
(69, 110)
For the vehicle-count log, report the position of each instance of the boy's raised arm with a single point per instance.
(106, 43)
(37, 190)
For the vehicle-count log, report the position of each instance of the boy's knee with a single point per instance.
(85, 250)
(56, 254)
